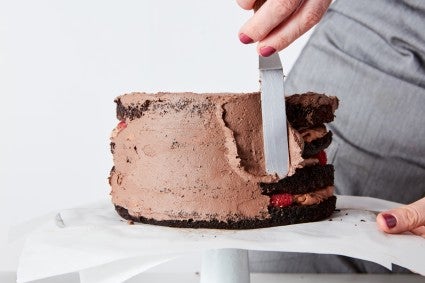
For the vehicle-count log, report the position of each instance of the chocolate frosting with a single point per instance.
(192, 156)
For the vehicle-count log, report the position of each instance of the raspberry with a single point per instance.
(121, 125)
(281, 200)
(322, 157)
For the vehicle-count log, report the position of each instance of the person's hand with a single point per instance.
(278, 23)
(406, 218)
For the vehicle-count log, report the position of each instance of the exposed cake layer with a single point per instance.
(310, 109)
(306, 179)
(199, 157)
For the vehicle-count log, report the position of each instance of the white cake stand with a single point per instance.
(95, 242)
(225, 266)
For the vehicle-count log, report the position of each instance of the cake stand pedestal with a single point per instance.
(225, 266)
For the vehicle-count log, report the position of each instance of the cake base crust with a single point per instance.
(305, 180)
(279, 216)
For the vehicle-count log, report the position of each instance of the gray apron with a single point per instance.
(371, 54)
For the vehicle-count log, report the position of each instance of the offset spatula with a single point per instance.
(274, 115)
(275, 133)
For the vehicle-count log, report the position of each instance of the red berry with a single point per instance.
(322, 157)
(281, 200)
(122, 125)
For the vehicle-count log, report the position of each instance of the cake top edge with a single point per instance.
(291, 98)
(141, 101)
(157, 95)
(313, 99)
(187, 93)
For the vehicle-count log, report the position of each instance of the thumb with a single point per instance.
(402, 219)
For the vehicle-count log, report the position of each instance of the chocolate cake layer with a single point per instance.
(317, 145)
(304, 180)
(279, 216)
(302, 214)
(310, 109)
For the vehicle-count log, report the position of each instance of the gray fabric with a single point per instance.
(371, 54)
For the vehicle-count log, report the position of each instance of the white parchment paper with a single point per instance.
(96, 242)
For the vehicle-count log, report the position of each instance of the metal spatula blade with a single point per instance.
(273, 111)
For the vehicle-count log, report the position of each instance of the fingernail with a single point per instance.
(390, 220)
(266, 51)
(245, 39)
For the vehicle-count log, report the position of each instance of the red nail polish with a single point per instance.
(390, 220)
(266, 51)
(245, 39)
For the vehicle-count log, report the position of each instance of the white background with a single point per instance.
(62, 63)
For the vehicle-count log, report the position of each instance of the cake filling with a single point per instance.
(314, 197)
(311, 134)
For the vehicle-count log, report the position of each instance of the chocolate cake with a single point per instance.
(197, 160)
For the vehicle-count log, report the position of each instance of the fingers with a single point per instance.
(406, 218)
(420, 231)
(269, 16)
(246, 4)
(308, 14)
